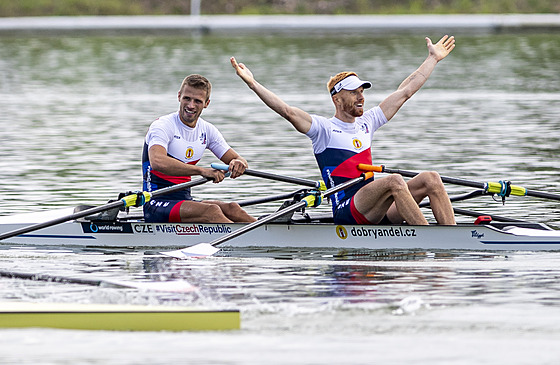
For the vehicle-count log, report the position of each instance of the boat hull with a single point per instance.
(138, 234)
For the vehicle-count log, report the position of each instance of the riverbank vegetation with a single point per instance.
(11, 8)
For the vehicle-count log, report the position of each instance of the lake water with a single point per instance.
(75, 111)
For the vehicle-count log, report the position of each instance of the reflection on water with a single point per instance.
(306, 300)
(253, 283)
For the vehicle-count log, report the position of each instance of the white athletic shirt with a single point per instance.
(339, 147)
(183, 143)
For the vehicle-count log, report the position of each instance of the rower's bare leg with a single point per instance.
(429, 184)
(233, 211)
(202, 212)
(389, 195)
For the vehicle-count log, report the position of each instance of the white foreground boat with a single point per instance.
(300, 231)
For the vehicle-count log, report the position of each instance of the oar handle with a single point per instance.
(267, 175)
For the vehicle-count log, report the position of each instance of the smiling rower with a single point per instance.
(173, 146)
(344, 141)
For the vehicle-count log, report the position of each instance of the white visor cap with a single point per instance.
(350, 83)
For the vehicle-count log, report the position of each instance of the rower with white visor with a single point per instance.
(342, 142)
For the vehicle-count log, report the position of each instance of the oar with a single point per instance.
(457, 198)
(267, 199)
(498, 218)
(471, 213)
(502, 188)
(208, 249)
(266, 175)
(135, 199)
(179, 286)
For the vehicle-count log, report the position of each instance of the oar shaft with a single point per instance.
(288, 179)
(498, 218)
(445, 179)
(544, 195)
(181, 287)
(81, 214)
(287, 210)
(347, 184)
(260, 222)
(267, 199)
(179, 187)
(491, 187)
(456, 198)
(50, 278)
(84, 213)
(270, 176)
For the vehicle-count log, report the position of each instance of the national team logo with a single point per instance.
(341, 232)
(189, 153)
(365, 128)
(357, 143)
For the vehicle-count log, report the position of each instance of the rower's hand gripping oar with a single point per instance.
(134, 199)
(311, 200)
(266, 175)
(502, 188)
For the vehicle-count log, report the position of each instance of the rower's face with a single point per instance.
(352, 101)
(191, 103)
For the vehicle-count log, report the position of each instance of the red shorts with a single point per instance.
(346, 213)
(163, 211)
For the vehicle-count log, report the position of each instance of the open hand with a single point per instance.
(442, 48)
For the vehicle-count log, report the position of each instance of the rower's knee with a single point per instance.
(397, 183)
(213, 213)
(230, 208)
(432, 181)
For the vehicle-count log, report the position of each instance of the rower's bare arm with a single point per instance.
(160, 161)
(436, 52)
(300, 119)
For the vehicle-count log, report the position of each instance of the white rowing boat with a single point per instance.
(301, 231)
(101, 226)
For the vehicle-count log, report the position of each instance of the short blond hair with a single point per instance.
(198, 82)
(339, 77)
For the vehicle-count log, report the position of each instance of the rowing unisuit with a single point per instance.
(339, 147)
(182, 143)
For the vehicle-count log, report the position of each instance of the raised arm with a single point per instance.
(413, 83)
(300, 119)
